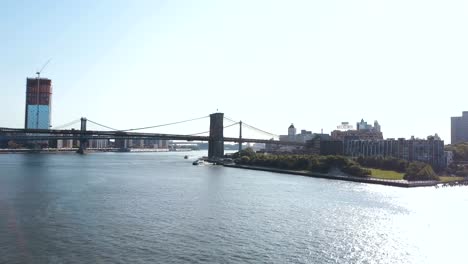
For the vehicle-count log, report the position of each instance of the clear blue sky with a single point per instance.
(270, 63)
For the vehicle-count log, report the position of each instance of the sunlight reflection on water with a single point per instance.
(157, 207)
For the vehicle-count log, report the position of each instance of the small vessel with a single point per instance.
(198, 162)
(185, 157)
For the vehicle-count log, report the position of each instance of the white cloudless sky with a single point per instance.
(270, 63)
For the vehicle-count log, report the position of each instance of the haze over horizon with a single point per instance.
(312, 63)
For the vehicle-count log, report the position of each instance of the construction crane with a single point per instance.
(37, 92)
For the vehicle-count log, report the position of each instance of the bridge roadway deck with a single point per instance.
(52, 134)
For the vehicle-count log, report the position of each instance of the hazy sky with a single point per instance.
(269, 63)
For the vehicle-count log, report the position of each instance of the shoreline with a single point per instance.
(394, 183)
(74, 150)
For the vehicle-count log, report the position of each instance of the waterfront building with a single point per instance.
(356, 134)
(272, 147)
(292, 135)
(291, 131)
(3, 144)
(65, 143)
(258, 146)
(324, 146)
(364, 126)
(448, 157)
(377, 127)
(120, 143)
(38, 103)
(460, 128)
(155, 143)
(129, 143)
(364, 131)
(142, 143)
(163, 144)
(138, 143)
(304, 137)
(430, 150)
(98, 143)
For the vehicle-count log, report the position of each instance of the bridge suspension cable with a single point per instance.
(229, 119)
(209, 131)
(168, 124)
(231, 125)
(101, 125)
(254, 128)
(260, 130)
(142, 128)
(200, 133)
(67, 124)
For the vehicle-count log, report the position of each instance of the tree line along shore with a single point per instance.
(362, 167)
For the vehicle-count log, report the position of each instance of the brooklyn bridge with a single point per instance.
(214, 136)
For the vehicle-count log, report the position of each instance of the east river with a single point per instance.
(159, 208)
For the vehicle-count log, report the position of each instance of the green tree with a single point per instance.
(460, 151)
(313, 163)
(245, 160)
(418, 171)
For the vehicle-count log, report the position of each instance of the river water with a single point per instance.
(159, 208)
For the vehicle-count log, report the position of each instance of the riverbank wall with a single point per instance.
(394, 183)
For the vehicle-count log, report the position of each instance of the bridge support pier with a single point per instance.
(216, 140)
(83, 140)
(240, 136)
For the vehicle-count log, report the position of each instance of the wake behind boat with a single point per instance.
(198, 162)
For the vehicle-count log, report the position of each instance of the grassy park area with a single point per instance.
(393, 175)
(450, 179)
(386, 174)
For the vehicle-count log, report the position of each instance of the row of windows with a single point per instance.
(42, 89)
(44, 99)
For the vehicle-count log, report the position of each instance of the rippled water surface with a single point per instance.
(158, 208)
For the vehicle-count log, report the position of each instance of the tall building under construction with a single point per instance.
(38, 103)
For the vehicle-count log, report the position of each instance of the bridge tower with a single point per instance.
(83, 140)
(216, 140)
(240, 136)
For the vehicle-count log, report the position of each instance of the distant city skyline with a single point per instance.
(314, 64)
(460, 128)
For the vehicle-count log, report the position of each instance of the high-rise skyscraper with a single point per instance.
(38, 103)
(460, 128)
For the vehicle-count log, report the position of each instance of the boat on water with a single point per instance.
(198, 162)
